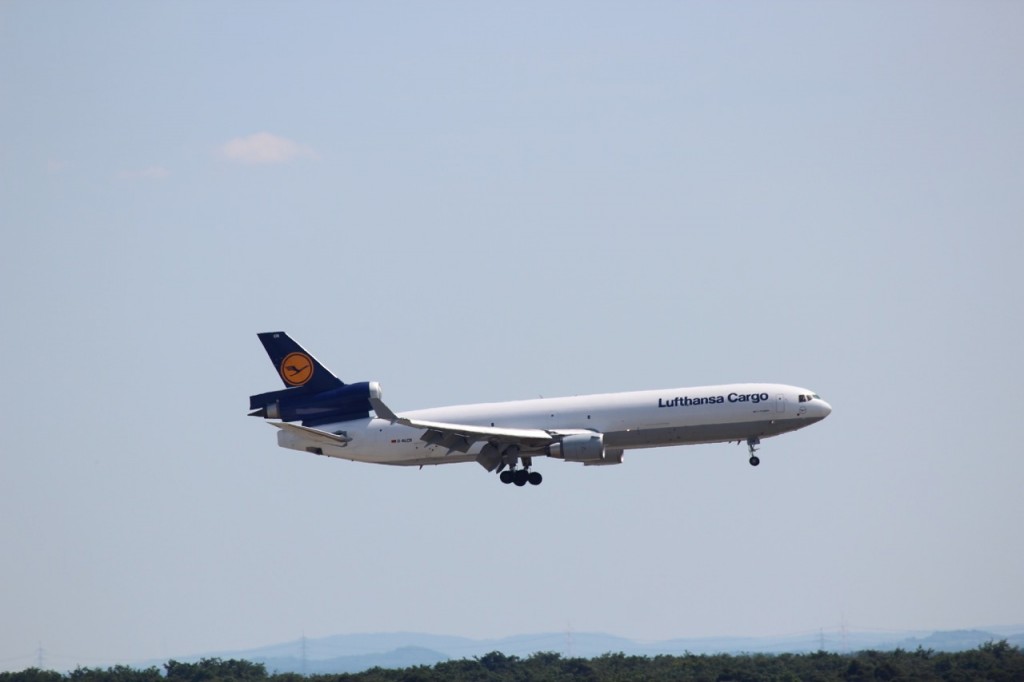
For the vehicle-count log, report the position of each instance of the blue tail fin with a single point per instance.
(313, 395)
(295, 366)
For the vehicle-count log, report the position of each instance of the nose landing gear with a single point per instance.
(752, 444)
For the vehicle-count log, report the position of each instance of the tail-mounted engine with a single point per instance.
(342, 403)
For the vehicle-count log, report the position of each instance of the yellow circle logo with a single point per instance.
(296, 369)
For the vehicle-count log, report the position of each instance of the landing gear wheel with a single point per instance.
(752, 444)
(506, 476)
(535, 478)
(520, 477)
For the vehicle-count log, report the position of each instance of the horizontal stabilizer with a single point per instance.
(314, 435)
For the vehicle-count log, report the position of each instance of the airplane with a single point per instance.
(594, 430)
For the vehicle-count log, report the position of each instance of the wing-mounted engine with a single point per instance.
(587, 448)
(610, 457)
(313, 408)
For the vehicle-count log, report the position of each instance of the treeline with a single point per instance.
(995, 661)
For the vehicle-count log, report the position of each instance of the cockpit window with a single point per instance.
(803, 398)
(817, 396)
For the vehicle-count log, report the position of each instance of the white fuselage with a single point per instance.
(638, 419)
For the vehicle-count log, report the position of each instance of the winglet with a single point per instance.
(382, 410)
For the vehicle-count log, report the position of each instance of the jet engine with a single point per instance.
(580, 447)
(610, 457)
(345, 402)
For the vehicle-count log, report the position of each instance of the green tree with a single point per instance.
(215, 669)
(32, 675)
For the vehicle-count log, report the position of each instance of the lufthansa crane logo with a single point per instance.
(296, 369)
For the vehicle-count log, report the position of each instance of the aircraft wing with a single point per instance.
(461, 436)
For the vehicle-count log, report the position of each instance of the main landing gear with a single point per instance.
(519, 476)
(752, 444)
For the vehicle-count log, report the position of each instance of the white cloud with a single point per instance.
(264, 148)
(150, 173)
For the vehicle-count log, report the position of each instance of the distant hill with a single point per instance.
(402, 657)
(359, 652)
(957, 640)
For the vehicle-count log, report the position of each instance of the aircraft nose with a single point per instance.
(825, 409)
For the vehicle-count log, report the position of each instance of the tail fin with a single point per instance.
(313, 395)
(295, 366)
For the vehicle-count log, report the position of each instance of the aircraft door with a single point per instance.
(780, 403)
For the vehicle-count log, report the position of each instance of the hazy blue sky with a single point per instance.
(485, 201)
